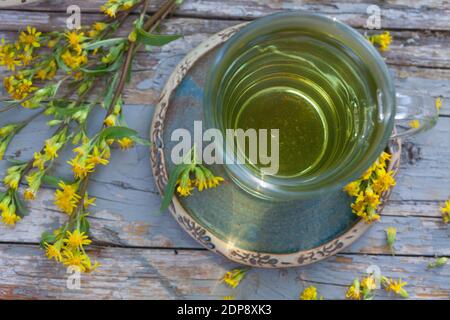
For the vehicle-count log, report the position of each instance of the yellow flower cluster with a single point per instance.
(234, 277)
(445, 210)
(20, 54)
(13, 175)
(112, 7)
(365, 289)
(383, 40)
(369, 188)
(394, 286)
(66, 197)
(88, 157)
(197, 176)
(310, 293)
(96, 29)
(362, 290)
(50, 151)
(74, 56)
(8, 210)
(69, 250)
(6, 134)
(34, 180)
(18, 86)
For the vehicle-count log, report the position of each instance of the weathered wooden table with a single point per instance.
(146, 255)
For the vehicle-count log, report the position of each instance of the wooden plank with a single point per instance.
(123, 224)
(166, 274)
(395, 14)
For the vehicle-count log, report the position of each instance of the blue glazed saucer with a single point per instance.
(226, 219)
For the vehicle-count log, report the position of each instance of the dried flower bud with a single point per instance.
(391, 235)
(439, 262)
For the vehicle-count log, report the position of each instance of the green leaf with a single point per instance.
(53, 181)
(14, 161)
(22, 210)
(141, 141)
(171, 184)
(68, 111)
(47, 237)
(157, 40)
(110, 91)
(105, 43)
(84, 225)
(117, 133)
(111, 68)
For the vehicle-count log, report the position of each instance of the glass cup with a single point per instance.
(265, 52)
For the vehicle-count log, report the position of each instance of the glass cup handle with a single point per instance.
(414, 114)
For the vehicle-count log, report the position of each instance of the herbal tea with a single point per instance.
(315, 91)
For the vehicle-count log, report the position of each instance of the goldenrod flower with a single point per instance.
(415, 124)
(439, 262)
(368, 285)
(88, 201)
(383, 40)
(371, 198)
(127, 5)
(73, 61)
(383, 182)
(438, 103)
(26, 58)
(395, 286)
(185, 188)
(446, 212)
(110, 120)
(53, 252)
(13, 177)
(353, 188)
(125, 143)
(51, 149)
(81, 168)
(109, 10)
(310, 293)
(383, 158)
(76, 239)
(354, 291)
(75, 39)
(67, 198)
(10, 61)
(39, 160)
(10, 218)
(29, 194)
(234, 277)
(30, 39)
(75, 258)
(96, 158)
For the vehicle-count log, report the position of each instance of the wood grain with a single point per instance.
(399, 14)
(168, 274)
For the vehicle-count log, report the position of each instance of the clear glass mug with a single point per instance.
(389, 109)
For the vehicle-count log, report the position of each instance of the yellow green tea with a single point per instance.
(313, 91)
